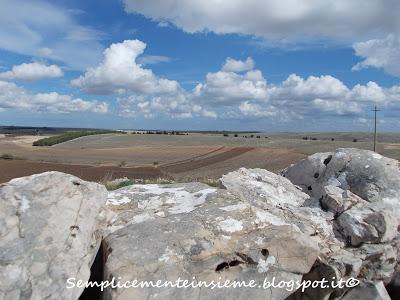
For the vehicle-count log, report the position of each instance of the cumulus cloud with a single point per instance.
(175, 106)
(247, 95)
(229, 87)
(276, 19)
(380, 53)
(119, 73)
(32, 71)
(233, 65)
(45, 29)
(243, 93)
(14, 97)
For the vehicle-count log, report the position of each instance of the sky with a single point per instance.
(264, 65)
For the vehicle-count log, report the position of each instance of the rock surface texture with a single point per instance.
(333, 216)
(49, 232)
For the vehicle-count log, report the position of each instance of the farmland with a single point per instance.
(196, 156)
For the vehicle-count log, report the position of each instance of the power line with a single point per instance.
(375, 110)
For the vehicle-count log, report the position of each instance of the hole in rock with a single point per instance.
(235, 263)
(309, 188)
(96, 275)
(265, 252)
(316, 175)
(327, 160)
(222, 266)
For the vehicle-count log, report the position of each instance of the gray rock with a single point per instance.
(227, 232)
(262, 184)
(369, 175)
(368, 223)
(332, 199)
(368, 291)
(49, 231)
(224, 236)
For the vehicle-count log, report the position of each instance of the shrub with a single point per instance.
(7, 156)
(354, 140)
(116, 184)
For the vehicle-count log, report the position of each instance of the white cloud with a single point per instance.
(119, 73)
(32, 71)
(41, 28)
(247, 95)
(380, 53)
(233, 65)
(284, 20)
(14, 97)
(175, 106)
(229, 88)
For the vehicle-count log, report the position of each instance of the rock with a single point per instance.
(49, 231)
(337, 220)
(223, 236)
(368, 223)
(259, 183)
(362, 189)
(367, 174)
(238, 234)
(332, 199)
(368, 291)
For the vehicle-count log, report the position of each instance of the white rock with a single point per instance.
(50, 231)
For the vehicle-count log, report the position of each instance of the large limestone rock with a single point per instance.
(49, 231)
(362, 189)
(367, 174)
(191, 230)
(259, 227)
(332, 215)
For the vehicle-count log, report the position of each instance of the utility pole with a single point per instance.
(375, 110)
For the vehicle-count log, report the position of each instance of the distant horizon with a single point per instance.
(194, 131)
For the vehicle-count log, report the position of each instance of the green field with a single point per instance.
(67, 136)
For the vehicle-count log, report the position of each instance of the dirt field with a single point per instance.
(191, 157)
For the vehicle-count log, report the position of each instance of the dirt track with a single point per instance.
(197, 163)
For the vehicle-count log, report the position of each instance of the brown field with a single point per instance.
(192, 157)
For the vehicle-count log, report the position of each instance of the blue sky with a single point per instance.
(285, 65)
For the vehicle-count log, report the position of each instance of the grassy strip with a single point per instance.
(112, 185)
(57, 139)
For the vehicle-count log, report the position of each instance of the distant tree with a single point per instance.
(354, 140)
